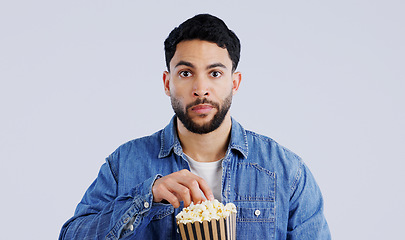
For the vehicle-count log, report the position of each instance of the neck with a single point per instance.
(208, 147)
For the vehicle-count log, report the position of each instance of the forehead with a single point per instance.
(200, 53)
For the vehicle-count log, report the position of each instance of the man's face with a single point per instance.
(201, 85)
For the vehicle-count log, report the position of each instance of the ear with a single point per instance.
(236, 79)
(166, 82)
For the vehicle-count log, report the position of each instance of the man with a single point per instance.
(202, 154)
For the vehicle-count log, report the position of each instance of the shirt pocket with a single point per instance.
(255, 222)
(255, 194)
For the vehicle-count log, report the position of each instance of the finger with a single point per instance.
(160, 192)
(188, 179)
(197, 186)
(206, 189)
(195, 192)
(182, 193)
(170, 197)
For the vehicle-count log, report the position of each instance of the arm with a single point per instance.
(102, 214)
(306, 218)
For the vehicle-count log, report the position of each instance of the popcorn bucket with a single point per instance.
(221, 229)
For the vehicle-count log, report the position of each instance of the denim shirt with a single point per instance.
(275, 194)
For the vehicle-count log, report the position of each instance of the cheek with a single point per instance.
(180, 91)
(225, 90)
(176, 89)
(175, 94)
(176, 98)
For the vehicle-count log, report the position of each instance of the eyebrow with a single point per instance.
(184, 63)
(189, 64)
(214, 65)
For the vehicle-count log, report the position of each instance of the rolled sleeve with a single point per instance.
(101, 214)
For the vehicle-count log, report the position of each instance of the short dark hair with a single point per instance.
(204, 27)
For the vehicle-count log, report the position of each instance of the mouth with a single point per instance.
(202, 108)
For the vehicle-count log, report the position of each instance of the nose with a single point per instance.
(200, 88)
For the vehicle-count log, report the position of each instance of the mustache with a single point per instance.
(202, 101)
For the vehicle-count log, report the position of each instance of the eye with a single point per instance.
(216, 74)
(185, 74)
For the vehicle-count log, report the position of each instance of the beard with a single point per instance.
(205, 128)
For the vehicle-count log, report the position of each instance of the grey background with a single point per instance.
(323, 78)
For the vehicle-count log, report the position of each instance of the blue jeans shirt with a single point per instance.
(275, 194)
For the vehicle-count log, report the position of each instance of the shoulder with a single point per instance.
(258, 142)
(147, 145)
(273, 156)
(260, 148)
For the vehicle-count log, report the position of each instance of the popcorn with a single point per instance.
(207, 210)
(208, 220)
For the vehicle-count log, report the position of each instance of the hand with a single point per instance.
(181, 186)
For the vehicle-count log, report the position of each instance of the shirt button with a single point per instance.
(257, 212)
(146, 204)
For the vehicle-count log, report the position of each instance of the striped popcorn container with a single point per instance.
(221, 229)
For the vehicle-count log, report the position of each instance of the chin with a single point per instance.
(202, 119)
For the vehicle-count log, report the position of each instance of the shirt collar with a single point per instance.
(170, 140)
